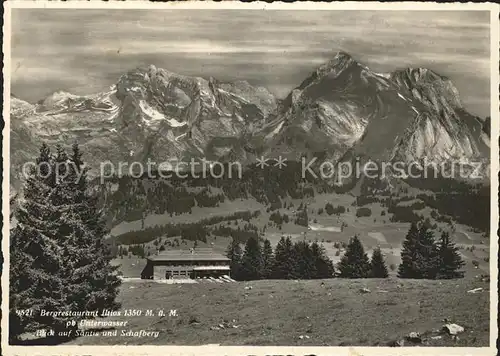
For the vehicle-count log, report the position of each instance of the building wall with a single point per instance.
(159, 269)
(163, 272)
(192, 263)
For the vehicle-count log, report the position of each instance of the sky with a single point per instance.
(86, 51)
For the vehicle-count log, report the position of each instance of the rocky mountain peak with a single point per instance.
(340, 62)
(429, 87)
(342, 107)
(409, 114)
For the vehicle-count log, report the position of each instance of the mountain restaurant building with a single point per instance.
(185, 264)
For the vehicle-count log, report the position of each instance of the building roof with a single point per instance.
(198, 254)
(177, 268)
(211, 268)
(196, 268)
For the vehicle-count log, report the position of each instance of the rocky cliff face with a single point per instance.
(149, 114)
(183, 116)
(331, 110)
(341, 108)
(407, 115)
(442, 129)
(64, 118)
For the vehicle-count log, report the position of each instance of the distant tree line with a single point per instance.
(279, 219)
(403, 214)
(132, 198)
(240, 235)
(137, 250)
(366, 199)
(467, 203)
(355, 263)
(421, 257)
(188, 231)
(331, 210)
(299, 260)
(301, 217)
(360, 212)
(424, 257)
(470, 208)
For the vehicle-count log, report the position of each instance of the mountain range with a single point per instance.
(342, 108)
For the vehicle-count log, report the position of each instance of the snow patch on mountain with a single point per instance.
(344, 126)
(20, 108)
(276, 130)
(402, 97)
(57, 100)
(154, 115)
(235, 97)
(181, 136)
(486, 139)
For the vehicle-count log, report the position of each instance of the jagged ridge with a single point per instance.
(342, 107)
(407, 115)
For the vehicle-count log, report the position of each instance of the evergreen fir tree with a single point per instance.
(450, 259)
(267, 260)
(302, 218)
(378, 267)
(354, 263)
(234, 253)
(305, 266)
(59, 242)
(96, 280)
(407, 267)
(284, 264)
(251, 261)
(419, 256)
(324, 265)
(429, 263)
(36, 253)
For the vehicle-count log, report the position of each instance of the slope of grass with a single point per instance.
(279, 312)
